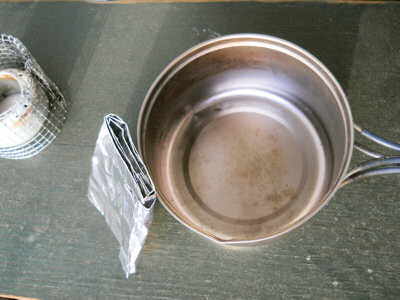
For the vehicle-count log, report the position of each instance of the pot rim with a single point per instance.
(273, 43)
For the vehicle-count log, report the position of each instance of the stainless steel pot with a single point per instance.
(247, 137)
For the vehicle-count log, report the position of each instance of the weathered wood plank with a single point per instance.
(54, 244)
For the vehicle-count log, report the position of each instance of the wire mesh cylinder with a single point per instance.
(32, 109)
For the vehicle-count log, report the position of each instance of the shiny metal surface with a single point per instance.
(246, 137)
(21, 118)
(382, 164)
(120, 188)
(32, 114)
(377, 139)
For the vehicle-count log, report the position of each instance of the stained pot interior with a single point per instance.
(244, 139)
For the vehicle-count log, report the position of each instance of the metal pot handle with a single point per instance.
(380, 165)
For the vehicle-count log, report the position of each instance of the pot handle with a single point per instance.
(380, 165)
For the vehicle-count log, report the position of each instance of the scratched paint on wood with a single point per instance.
(54, 244)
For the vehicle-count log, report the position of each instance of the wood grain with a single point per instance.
(374, 2)
(55, 245)
(12, 297)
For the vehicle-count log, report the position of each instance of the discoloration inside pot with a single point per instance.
(239, 167)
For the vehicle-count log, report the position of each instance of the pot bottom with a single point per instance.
(245, 165)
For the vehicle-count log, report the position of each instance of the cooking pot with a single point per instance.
(248, 136)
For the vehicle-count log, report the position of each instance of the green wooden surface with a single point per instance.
(54, 244)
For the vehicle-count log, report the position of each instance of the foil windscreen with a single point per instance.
(121, 189)
(32, 109)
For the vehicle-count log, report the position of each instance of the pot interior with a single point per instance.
(245, 138)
